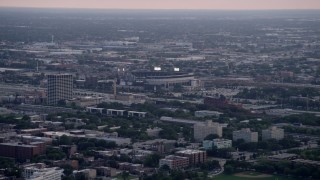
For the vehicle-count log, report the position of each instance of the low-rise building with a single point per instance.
(241, 155)
(40, 172)
(174, 162)
(283, 156)
(85, 101)
(109, 137)
(75, 122)
(141, 155)
(73, 163)
(106, 171)
(158, 145)
(206, 113)
(195, 156)
(137, 114)
(218, 143)
(89, 174)
(22, 151)
(33, 131)
(125, 166)
(126, 151)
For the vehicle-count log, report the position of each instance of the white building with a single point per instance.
(202, 130)
(205, 113)
(218, 143)
(89, 174)
(39, 172)
(153, 132)
(246, 135)
(137, 114)
(273, 133)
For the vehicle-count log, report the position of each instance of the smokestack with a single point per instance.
(37, 66)
(115, 88)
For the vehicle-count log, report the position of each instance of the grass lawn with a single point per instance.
(119, 177)
(253, 174)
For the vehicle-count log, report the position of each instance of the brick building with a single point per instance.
(174, 162)
(195, 156)
(22, 151)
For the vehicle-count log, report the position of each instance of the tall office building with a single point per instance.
(273, 133)
(246, 134)
(202, 130)
(60, 87)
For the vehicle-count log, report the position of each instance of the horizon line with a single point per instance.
(174, 9)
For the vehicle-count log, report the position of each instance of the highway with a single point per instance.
(24, 88)
(212, 81)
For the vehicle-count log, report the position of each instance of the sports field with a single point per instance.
(250, 175)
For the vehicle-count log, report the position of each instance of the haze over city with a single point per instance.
(167, 4)
(159, 89)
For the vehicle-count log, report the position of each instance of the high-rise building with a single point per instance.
(246, 134)
(60, 87)
(273, 133)
(202, 130)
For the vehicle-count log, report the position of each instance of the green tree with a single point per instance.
(228, 169)
(211, 137)
(67, 170)
(152, 160)
(55, 154)
(125, 175)
(62, 103)
(65, 140)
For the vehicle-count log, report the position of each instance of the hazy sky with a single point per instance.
(167, 4)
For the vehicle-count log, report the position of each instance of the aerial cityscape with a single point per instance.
(158, 92)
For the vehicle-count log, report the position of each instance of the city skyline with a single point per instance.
(146, 89)
(167, 4)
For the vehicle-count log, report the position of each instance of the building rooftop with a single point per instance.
(17, 144)
(220, 140)
(190, 151)
(283, 156)
(173, 157)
